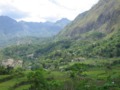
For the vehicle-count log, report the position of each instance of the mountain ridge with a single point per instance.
(102, 17)
(11, 29)
(9, 26)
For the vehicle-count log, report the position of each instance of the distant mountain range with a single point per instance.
(10, 28)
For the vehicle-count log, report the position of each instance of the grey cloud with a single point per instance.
(12, 12)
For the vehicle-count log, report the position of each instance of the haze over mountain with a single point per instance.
(10, 28)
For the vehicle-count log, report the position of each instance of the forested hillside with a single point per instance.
(85, 55)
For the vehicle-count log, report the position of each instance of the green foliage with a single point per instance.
(78, 66)
(107, 48)
(38, 80)
(95, 35)
(7, 70)
(93, 78)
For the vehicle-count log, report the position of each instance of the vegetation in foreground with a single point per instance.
(77, 76)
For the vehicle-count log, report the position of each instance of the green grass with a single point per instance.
(6, 85)
(23, 87)
(58, 75)
(103, 73)
(3, 76)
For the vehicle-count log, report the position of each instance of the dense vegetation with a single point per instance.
(56, 54)
(74, 77)
(67, 65)
(84, 56)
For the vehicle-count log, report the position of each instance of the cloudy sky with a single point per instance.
(44, 10)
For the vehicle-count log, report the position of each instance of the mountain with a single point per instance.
(103, 18)
(94, 33)
(45, 29)
(62, 22)
(8, 25)
(11, 28)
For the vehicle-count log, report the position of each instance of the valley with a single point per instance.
(83, 55)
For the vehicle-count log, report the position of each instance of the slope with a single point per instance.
(103, 17)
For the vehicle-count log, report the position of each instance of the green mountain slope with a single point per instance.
(104, 17)
(107, 47)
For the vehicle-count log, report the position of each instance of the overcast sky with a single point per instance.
(44, 10)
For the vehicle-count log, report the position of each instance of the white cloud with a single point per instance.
(42, 10)
(12, 12)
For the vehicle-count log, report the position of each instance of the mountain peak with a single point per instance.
(6, 18)
(63, 19)
(62, 22)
